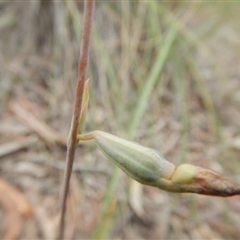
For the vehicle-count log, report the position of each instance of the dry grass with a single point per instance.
(165, 75)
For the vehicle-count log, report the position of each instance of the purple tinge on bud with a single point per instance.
(193, 179)
(211, 183)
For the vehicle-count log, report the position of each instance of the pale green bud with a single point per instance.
(148, 166)
(145, 165)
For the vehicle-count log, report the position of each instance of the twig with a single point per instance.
(79, 168)
(41, 128)
(14, 146)
(87, 22)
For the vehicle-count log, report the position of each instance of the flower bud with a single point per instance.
(148, 166)
(145, 165)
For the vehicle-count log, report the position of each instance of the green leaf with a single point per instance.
(85, 101)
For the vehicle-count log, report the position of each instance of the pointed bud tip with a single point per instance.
(214, 184)
(195, 179)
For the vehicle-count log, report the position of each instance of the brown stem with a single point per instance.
(87, 22)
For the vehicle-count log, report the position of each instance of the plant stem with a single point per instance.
(86, 136)
(72, 140)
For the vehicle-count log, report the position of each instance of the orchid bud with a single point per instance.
(148, 166)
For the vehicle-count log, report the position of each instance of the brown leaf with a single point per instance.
(16, 206)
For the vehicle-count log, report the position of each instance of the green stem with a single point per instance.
(86, 136)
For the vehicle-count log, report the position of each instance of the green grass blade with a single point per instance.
(151, 81)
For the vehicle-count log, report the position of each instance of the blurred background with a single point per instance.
(165, 75)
